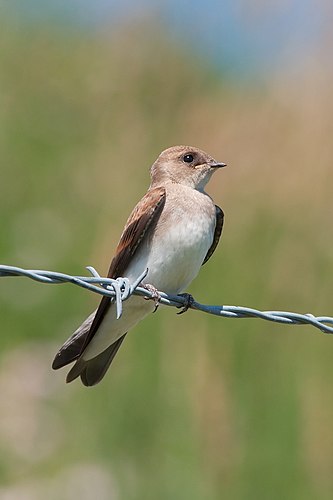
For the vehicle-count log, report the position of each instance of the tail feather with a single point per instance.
(72, 348)
(93, 370)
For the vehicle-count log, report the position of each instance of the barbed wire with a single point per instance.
(121, 289)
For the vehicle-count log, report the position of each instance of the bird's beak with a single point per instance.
(214, 164)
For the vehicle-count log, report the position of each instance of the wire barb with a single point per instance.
(121, 289)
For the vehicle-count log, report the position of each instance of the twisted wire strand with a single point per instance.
(121, 289)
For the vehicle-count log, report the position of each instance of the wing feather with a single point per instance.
(217, 233)
(140, 223)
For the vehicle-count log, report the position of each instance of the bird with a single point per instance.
(172, 231)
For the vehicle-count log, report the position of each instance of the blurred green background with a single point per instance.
(194, 407)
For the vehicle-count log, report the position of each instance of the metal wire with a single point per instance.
(121, 289)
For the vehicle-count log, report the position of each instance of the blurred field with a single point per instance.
(194, 407)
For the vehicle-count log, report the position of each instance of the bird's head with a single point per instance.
(184, 165)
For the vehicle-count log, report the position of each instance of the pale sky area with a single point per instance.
(246, 37)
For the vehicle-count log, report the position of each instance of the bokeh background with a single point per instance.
(194, 407)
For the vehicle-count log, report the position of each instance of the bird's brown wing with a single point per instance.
(142, 220)
(217, 233)
(140, 224)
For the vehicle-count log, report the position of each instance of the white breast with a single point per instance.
(180, 243)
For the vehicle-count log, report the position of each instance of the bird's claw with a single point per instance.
(155, 296)
(189, 300)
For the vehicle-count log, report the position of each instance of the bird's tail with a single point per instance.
(93, 370)
(72, 348)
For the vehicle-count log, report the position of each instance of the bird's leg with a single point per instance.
(155, 296)
(189, 300)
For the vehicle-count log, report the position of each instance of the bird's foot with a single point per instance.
(189, 300)
(155, 296)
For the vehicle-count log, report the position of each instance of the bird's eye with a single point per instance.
(188, 158)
